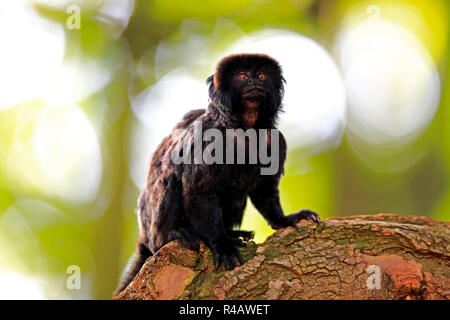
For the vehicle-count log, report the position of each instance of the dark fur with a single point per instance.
(200, 202)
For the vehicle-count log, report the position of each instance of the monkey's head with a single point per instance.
(244, 82)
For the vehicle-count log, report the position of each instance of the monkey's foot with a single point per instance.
(245, 235)
(187, 237)
(225, 252)
(294, 218)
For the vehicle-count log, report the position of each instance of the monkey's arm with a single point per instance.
(266, 197)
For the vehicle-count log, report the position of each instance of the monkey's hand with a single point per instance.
(225, 252)
(294, 218)
(245, 235)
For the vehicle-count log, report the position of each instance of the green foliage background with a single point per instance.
(41, 234)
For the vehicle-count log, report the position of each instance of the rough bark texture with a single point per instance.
(326, 261)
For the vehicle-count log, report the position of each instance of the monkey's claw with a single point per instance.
(303, 214)
(226, 253)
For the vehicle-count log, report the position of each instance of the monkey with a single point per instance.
(198, 202)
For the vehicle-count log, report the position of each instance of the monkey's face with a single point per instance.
(250, 85)
(245, 81)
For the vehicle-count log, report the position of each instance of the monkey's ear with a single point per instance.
(212, 79)
(216, 81)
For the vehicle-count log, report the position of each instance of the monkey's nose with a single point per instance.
(250, 81)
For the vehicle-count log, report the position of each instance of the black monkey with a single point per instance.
(201, 202)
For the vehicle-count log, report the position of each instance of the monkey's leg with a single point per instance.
(266, 199)
(187, 236)
(170, 220)
(205, 216)
(141, 255)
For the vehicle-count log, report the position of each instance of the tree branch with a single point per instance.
(327, 261)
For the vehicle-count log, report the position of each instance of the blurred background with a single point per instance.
(89, 88)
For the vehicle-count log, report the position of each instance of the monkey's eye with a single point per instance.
(243, 76)
(262, 76)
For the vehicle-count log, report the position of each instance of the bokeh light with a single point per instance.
(16, 286)
(392, 84)
(30, 56)
(60, 156)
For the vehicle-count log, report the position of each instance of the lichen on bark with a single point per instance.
(326, 261)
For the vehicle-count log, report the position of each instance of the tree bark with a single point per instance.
(339, 259)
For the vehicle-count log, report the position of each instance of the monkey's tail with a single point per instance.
(141, 255)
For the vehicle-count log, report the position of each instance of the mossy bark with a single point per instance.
(338, 259)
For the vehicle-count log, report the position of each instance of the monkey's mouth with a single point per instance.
(254, 93)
